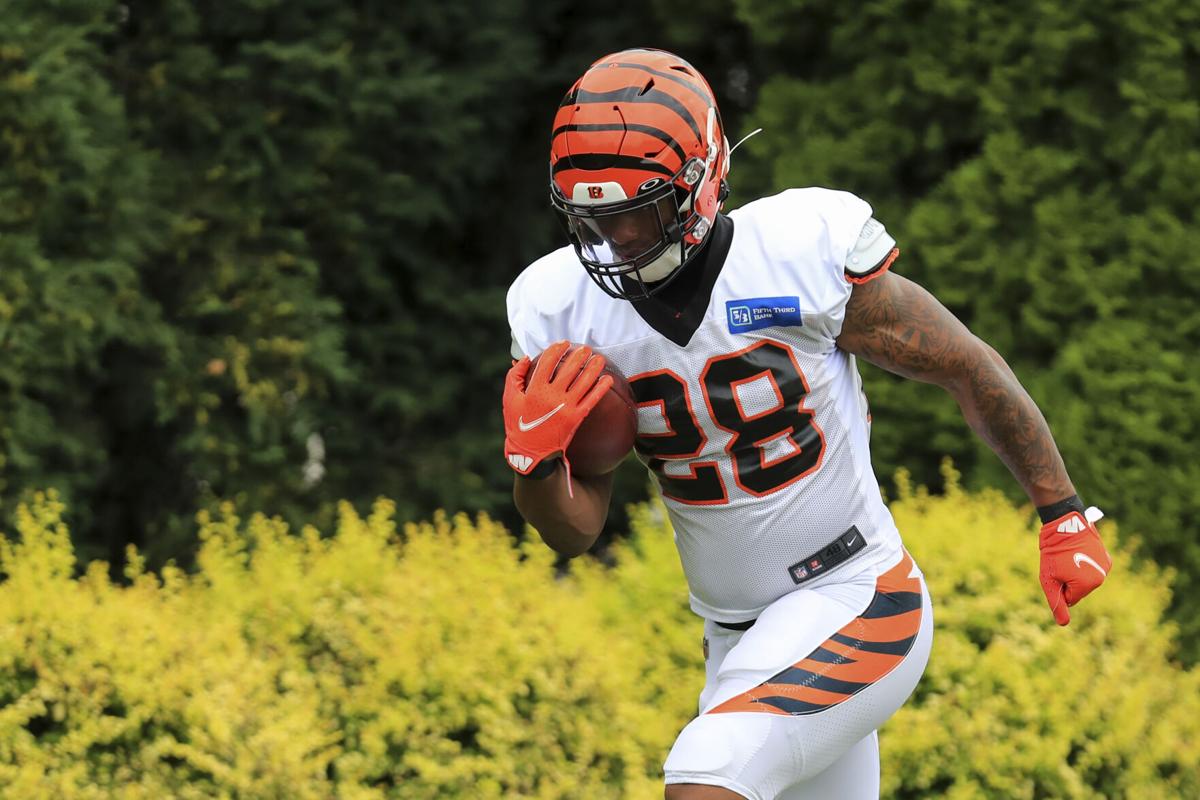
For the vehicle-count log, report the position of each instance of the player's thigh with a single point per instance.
(854, 776)
(818, 672)
(751, 753)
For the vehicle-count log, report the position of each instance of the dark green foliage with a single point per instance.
(258, 250)
(311, 210)
(1037, 162)
(76, 222)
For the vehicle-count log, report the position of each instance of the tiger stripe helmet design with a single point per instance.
(858, 655)
(638, 161)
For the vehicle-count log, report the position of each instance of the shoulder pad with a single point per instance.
(874, 252)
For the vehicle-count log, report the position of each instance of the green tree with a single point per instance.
(259, 251)
(1036, 162)
(76, 220)
(299, 223)
(395, 169)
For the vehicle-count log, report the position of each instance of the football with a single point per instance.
(607, 433)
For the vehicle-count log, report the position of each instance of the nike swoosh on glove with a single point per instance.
(1074, 561)
(543, 410)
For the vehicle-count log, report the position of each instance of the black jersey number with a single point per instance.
(771, 446)
(683, 438)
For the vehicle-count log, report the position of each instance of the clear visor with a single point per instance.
(628, 236)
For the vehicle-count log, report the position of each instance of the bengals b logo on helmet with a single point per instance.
(638, 133)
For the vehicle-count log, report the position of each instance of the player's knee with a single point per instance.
(715, 750)
(704, 747)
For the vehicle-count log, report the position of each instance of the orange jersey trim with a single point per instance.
(877, 270)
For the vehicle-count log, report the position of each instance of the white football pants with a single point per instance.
(790, 707)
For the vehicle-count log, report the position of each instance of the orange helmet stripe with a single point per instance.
(635, 96)
(688, 83)
(648, 130)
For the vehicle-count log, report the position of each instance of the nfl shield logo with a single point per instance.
(799, 572)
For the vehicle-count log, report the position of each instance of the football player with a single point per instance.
(739, 333)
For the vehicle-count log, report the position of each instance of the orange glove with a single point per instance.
(542, 411)
(1074, 561)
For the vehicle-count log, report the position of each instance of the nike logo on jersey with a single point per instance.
(521, 463)
(528, 426)
(1072, 525)
(1084, 558)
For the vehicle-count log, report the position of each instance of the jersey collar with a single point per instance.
(677, 311)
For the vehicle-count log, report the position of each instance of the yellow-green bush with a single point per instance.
(1013, 706)
(441, 661)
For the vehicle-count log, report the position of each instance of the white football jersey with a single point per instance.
(757, 431)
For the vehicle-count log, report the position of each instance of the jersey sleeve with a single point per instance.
(822, 241)
(540, 302)
(873, 253)
(860, 246)
(522, 321)
(857, 249)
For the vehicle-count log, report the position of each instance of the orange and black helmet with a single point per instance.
(638, 160)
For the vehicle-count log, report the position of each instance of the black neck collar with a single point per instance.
(676, 311)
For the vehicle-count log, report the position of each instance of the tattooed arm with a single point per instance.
(897, 325)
